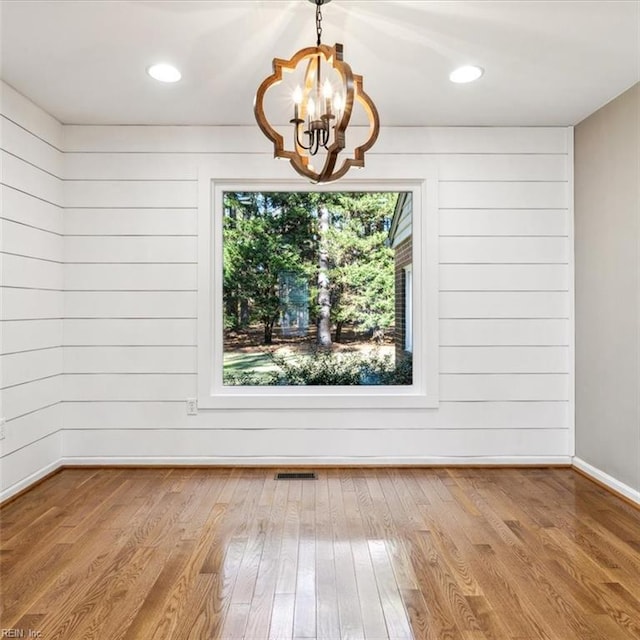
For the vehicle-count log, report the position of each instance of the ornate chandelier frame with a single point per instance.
(319, 106)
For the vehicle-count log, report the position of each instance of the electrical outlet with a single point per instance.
(2, 432)
(192, 407)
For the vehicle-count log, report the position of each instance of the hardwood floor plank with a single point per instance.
(358, 554)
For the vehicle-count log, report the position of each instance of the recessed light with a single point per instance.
(468, 73)
(164, 72)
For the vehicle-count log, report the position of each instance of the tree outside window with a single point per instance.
(309, 290)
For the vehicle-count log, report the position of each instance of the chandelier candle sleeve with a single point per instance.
(322, 111)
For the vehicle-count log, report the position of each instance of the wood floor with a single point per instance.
(359, 553)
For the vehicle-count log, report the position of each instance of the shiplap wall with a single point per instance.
(130, 304)
(31, 254)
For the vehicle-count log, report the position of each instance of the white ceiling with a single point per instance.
(547, 62)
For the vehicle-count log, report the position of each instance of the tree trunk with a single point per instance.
(339, 326)
(268, 331)
(324, 295)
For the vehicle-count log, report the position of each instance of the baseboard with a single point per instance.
(608, 482)
(26, 484)
(328, 461)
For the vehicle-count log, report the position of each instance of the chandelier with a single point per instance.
(322, 105)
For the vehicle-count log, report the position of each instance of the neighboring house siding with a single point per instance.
(403, 257)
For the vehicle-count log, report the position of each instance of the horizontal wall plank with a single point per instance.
(130, 249)
(27, 304)
(27, 465)
(130, 304)
(177, 166)
(179, 387)
(31, 334)
(23, 176)
(500, 250)
(139, 331)
(131, 194)
(134, 359)
(136, 166)
(18, 271)
(450, 415)
(503, 195)
(18, 368)
(27, 114)
(248, 139)
(498, 387)
(31, 396)
(29, 147)
(27, 241)
(31, 428)
(129, 387)
(504, 277)
(504, 332)
(135, 222)
(504, 360)
(267, 446)
(504, 304)
(27, 209)
(171, 277)
(504, 222)
(492, 167)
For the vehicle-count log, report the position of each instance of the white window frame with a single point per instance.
(212, 394)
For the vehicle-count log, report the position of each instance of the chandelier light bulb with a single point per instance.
(297, 95)
(337, 103)
(311, 108)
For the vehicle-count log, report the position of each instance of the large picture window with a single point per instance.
(309, 289)
(304, 300)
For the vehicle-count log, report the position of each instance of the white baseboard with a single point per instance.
(257, 461)
(26, 483)
(607, 480)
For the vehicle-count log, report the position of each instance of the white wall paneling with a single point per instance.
(30, 272)
(505, 323)
(274, 446)
(32, 334)
(504, 277)
(100, 228)
(130, 222)
(496, 250)
(135, 359)
(130, 249)
(29, 178)
(450, 415)
(129, 332)
(130, 304)
(129, 386)
(18, 368)
(504, 222)
(130, 276)
(31, 396)
(31, 252)
(515, 332)
(24, 466)
(29, 210)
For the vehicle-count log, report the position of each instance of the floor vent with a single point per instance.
(292, 475)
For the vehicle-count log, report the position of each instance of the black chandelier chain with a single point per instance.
(319, 21)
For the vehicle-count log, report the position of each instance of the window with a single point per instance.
(309, 290)
(238, 342)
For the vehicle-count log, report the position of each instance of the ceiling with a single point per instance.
(546, 62)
